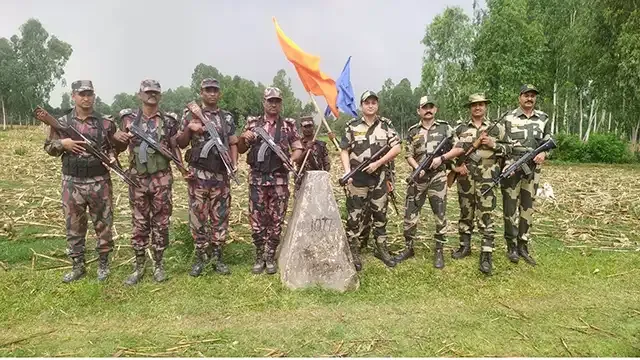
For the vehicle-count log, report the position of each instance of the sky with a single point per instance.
(118, 43)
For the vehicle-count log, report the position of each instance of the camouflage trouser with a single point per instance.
(151, 208)
(436, 189)
(363, 200)
(76, 197)
(366, 229)
(523, 188)
(473, 206)
(209, 203)
(267, 209)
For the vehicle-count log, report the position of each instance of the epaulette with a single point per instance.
(540, 113)
(414, 126)
(441, 122)
(353, 120)
(290, 120)
(385, 120)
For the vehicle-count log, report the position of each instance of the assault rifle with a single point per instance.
(151, 142)
(343, 180)
(452, 175)
(90, 146)
(215, 140)
(425, 164)
(547, 145)
(268, 140)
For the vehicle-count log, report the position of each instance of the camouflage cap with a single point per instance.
(367, 94)
(172, 114)
(209, 82)
(306, 121)
(150, 85)
(272, 93)
(125, 112)
(81, 85)
(477, 98)
(528, 87)
(427, 99)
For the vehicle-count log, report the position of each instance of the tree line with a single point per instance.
(583, 56)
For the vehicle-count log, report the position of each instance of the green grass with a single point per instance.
(579, 301)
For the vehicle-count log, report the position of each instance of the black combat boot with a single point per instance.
(407, 252)
(78, 271)
(201, 261)
(438, 256)
(158, 266)
(465, 247)
(271, 267)
(219, 265)
(512, 252)
(138, 269)
(355, 253)
(103, 267)
(523, 251)
(485, 262)
(258, 266)
(382, 253)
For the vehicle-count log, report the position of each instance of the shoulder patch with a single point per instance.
(385, 120)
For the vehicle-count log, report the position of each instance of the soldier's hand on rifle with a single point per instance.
(73, 146)
(350, 181)
(196, 127)
(371, 168)
(436, 162)
(539, 159)
(488, 141)
(462, 170)
(122, 137)
(422, 172)
(249, 136)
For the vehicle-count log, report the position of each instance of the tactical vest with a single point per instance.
(84, 166)
(156, 162)
(262, 159)
(212, 162)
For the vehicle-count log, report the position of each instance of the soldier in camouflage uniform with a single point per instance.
(151, 203)
(269, 179)
(210, 188)
(318, 159)
(528, 128)
(86, 182)
(476, 175)
(368, 190)
(422, 139)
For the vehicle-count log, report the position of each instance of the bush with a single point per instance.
(601, 148)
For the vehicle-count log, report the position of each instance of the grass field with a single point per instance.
(583, 299)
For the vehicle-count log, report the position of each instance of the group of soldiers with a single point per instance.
(154, 139)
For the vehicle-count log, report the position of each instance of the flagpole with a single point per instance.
(324, 121)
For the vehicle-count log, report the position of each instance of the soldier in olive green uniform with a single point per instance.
(528, 128)
(421, 141)
(475, 175)
(368, 189)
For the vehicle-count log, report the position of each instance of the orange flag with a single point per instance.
(308, 68)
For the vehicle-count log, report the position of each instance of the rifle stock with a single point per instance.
(42, 115)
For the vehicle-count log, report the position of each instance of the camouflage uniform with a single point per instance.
(421, 142)
(152, 202)
(318, 158)
(86, 182)
(519, 190)
(368, 193)
(210, 190)
(269, 188)
(483, 165)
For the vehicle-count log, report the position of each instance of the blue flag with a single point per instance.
(346, 100)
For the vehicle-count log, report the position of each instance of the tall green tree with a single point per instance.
(65, 103)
